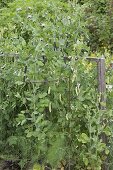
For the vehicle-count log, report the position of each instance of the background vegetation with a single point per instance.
(48, 91)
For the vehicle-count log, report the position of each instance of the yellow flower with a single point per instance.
(93, 55)
(38, 167)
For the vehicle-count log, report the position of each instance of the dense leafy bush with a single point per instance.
(99, 19)
(49, 100)
(4, 3)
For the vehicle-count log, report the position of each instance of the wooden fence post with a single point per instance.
(102, 93)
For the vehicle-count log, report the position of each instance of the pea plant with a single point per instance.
(49, 99)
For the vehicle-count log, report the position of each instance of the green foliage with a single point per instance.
(48, 91)
(4, 3)
(99, 18)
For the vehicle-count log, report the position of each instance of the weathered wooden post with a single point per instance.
(101, 83)
(102, 93)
